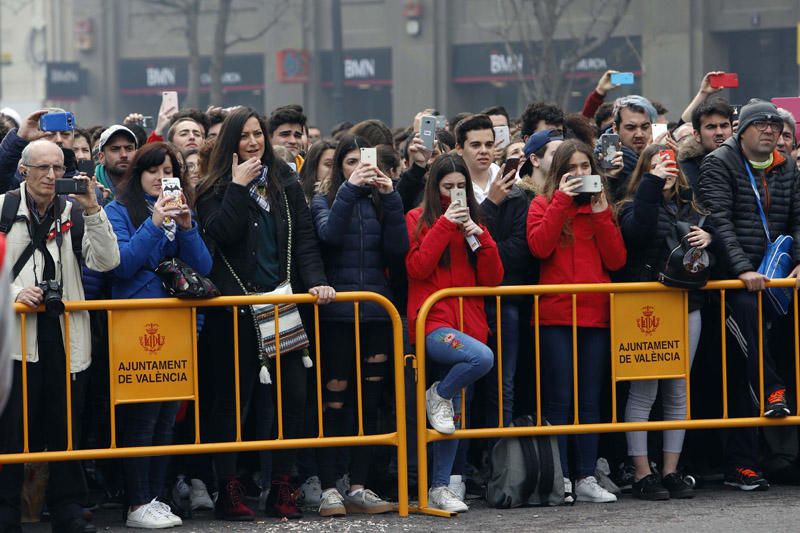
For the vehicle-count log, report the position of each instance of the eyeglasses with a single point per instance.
(762, 125)
(45, 169)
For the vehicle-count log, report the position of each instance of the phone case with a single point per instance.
(501, 136)
(458, 196)
(610, 145)
(171, 188)
(726, 80)
(370, 156)
(591, 184)
(622, 78)
(427, 131)
(59, 121)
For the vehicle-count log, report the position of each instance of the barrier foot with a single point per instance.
(430, 511)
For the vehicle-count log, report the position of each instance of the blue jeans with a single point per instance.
(469, 360)
(146, 424)
(509, 315)
(557, 394)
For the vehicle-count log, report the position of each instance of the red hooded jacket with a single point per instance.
(596, 247)
(426, 275)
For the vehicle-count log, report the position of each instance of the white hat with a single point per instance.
(113, 130)
(12, 114)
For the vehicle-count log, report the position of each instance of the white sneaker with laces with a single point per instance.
(200, 499)
(166, 510)
(440, 411)
(458, 487)
(444, 499)
(148, 516)
(569, 497)
(310, 491)
(332, 504)
(589, 490)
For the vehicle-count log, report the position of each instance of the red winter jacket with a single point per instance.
(595, 249)
(426, 275)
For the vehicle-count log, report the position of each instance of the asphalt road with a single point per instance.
(713, 509)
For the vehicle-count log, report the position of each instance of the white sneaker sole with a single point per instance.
(145, 525)
(598, 499)
(453, 509)
(444, 430)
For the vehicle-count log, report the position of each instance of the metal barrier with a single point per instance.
(426, 436)
(396, 438)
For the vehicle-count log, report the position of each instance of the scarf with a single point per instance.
(169, 226)
(104, 180)
(258, 190)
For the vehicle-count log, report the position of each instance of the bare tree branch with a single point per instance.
(281, 9)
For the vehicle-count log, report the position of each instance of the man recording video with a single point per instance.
(41, 223)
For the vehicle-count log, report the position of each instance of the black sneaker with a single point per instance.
(776, 405)
(746, 479)
(649, 488)
(677, 486)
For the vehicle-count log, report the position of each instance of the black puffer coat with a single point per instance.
(726, 193)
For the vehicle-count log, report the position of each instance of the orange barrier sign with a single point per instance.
(152, 354)
(649, 335)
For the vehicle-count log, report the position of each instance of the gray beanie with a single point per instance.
(755, 110)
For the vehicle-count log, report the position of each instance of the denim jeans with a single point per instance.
(509, 315)
(469, 360)
(557, 393)
(146, 424)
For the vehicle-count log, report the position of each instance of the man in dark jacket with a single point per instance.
(712, 127)
(726, 192)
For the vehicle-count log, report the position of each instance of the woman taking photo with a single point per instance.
(578, 241)
(438, 258)
(249, 205)
(360, 224)
(658, 197)
(150, 227)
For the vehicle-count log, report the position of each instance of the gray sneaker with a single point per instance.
(332, 504)
(366, 502)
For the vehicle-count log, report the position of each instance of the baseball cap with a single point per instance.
(536, 142)
(113, 130)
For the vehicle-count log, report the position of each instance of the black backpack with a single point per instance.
(8, 216)
(686, 267)
(525, 471)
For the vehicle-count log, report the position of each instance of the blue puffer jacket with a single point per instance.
(142, 249)
(357, 246)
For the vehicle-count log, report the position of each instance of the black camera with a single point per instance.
(51, 296)
(71, 186)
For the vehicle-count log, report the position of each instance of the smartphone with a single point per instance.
(610, 144)
(458, 197)
(511, 164)
(57, 121)
(591, 184)
(169, 99)
(726, 80)
(86, 166)
(659, 130)
(622, 78)
(70, 186)
(147, 122)
(427, 131)
(441, 122)
(171, 189)
(668, 155)
(502, 137)
(370, 156)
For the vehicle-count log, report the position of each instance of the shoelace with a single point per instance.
(747, 472)
(162, 508)
(777, 396)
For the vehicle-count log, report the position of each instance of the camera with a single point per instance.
(51, 296)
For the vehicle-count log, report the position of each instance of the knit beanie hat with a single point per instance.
(755, 110)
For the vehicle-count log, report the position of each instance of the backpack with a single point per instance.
(525, 471)
(8, 216)
(686, 267)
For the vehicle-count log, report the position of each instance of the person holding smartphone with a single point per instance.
(359, 221)
(658, 196)
(149, 228)
(578, 241)
(438, 258)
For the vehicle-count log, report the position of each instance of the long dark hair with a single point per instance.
(131, 194)
(347, 143)
(308, 174)
(227, 144)
(680, 192)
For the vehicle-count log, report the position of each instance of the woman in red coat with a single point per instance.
(439, 257)
(577, 240)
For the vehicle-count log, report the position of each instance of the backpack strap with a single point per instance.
(10, 207)
(531, 462)
(546, 467)
(77, 230)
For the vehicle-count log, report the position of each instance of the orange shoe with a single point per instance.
(776, 404)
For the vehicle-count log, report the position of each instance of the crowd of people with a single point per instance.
(268, 201)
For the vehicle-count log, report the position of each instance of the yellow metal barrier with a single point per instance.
(396, 438)
(426, 436)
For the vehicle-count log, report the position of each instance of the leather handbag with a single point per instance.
(182, 281)
(292, 333)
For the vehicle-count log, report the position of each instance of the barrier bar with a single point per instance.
(687, 353)
(111, 381)
(359, 392)
(760, 355)
(68, 388)
(538, 361)
(724, 338)
(796, 353)
(612, 326)
(196, 374)
(499, 326)
(24, 362)
(278, 379)
(575, 357)
(236, 385)
(320, 421)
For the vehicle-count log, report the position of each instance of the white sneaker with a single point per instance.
(332, 504)
(166, 510)
(199, 497)
(589, 490)
(458, 487)
(569, 497)
(440, 411)
(342, 485)
(310, 492)
(148, 516)
(444, 499)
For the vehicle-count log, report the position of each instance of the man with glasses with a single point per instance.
(727, 194)
(45, 271)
